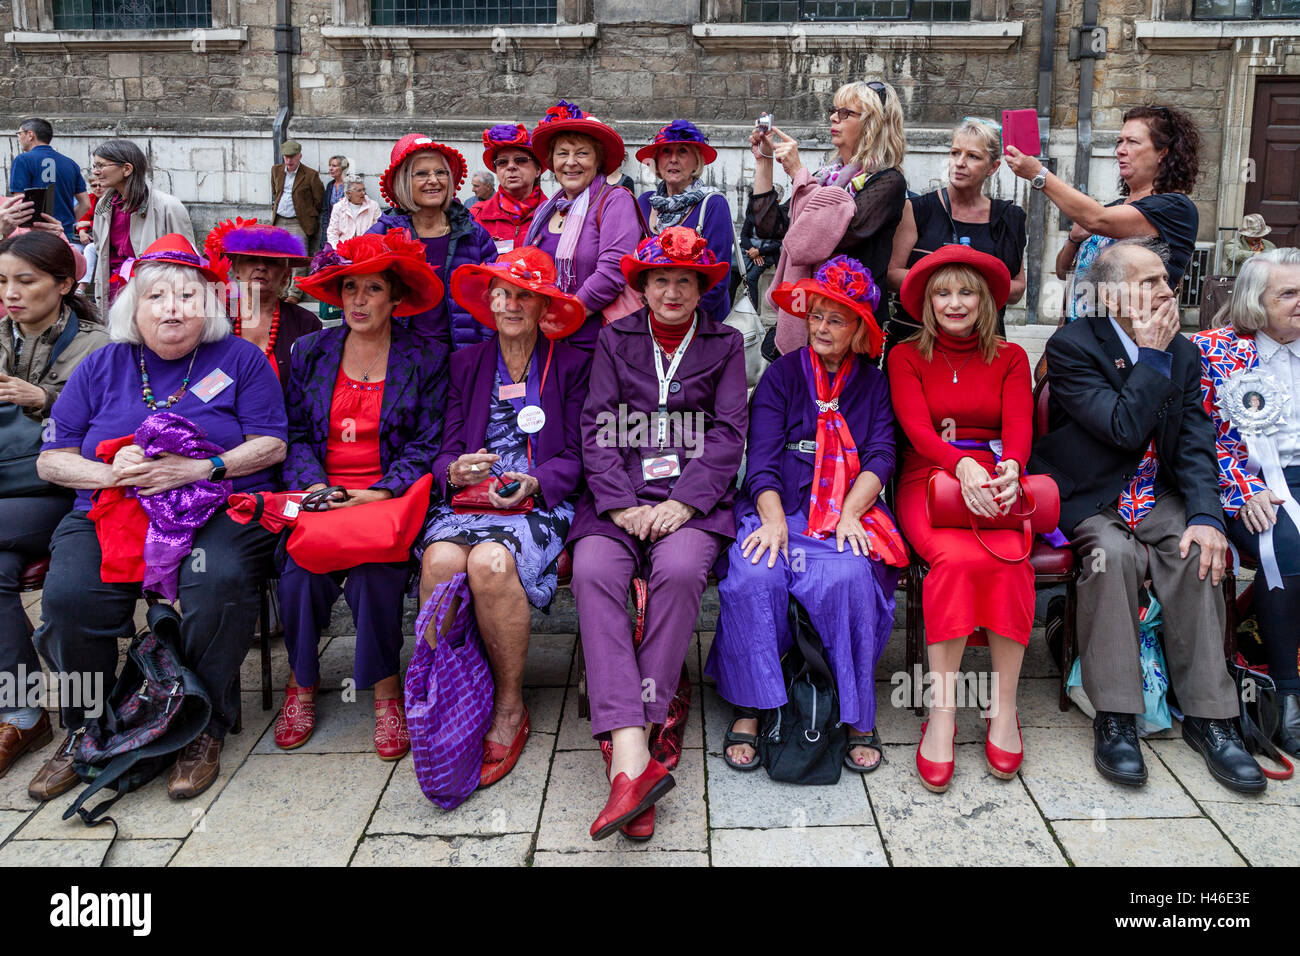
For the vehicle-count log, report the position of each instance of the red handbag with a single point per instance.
(377, 532)
(1040, 513)
(474, 501)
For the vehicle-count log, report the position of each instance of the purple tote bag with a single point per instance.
(449, 694)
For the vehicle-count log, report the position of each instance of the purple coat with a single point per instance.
(597, 278)
(615, 437)
(557, 448)
(721, 237)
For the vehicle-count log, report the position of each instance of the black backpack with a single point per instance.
(803, 741)
(156, 708)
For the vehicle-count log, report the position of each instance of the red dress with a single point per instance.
(967, 588)
(352, 449)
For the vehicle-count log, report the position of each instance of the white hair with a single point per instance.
(1245, 309)
(121, 317)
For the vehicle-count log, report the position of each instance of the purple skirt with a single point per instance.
(849, 599)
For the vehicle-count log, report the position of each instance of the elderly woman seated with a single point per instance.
(169, 337)
(821, 447)
(663, 433)
(1250, 376)
(366, 401)
(511, 465)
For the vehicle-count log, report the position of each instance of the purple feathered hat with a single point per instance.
(248, 237)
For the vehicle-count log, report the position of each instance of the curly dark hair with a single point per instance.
(1174, 130)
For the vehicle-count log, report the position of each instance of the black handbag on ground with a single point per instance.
(803, 741)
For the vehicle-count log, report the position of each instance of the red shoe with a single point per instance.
(666, 738)
(641, 828)
(297, 718)
(392, 740)
(499, 760)
(1002, 763)
(935, 776)
(629, 798)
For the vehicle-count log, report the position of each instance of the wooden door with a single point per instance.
(1275, 147)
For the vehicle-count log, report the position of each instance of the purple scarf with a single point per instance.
(174, 516)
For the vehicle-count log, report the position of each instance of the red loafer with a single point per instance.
(1003, 763)
(935, 776)
(297, 718)
(391, 738)
(641, 828)
(629, 798)
(499, 760)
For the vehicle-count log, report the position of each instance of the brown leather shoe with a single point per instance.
(196, 768)
(56, 776)
(15, 742)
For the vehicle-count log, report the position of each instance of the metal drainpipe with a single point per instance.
(1046, 61)
(1083, 145)
(286, 45)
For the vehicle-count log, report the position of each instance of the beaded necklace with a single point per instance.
(146, 392)
(271, 337)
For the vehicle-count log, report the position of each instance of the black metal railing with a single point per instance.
(779, 11)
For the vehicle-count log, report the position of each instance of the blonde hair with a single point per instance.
(986, 320)
(122, 326)
(988, 137)
(881, 144)
(700, 164)
(404, 187)
(861, 341)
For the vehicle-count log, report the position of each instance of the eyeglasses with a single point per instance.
(841, 113)
(834, 323)
(880, 90)
(100, 167)
(422, 176)
(502, 162)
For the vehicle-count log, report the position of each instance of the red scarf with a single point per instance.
(519, 211)
(835, 466)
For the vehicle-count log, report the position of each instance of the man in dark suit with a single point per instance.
(1132, 449)
(296, 197)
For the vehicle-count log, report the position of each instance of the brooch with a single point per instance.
(1254, 402)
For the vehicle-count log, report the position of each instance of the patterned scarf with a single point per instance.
(1076, 306)
(674, 209)
(518, 210)
(847, 176)
(1140, 495)
(835, 466)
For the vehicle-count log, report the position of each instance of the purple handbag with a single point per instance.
(449, 694)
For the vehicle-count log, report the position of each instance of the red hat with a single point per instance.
(369, 253)
(844, 280)
(566, 118)
(413, 143)
(994, 271)
(677, 247)
(527, 268)
(173, 249)
(679, 131)
(503, 135)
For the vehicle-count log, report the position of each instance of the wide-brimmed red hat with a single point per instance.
(677, 247)
(413, 143)
(564, 117)
(679, 131)
(372, 252)
(527, 268)
(994, 271)
(844, 280)
(173, 249)
(503, 136)
(248, 237)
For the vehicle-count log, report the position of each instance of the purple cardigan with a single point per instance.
(557, 448)
(721, 237)
(624, 385)
(597, 279)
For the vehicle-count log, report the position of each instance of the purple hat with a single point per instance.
(248, 237)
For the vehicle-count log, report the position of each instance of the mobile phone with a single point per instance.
(38, 197)
(764, 122)
(1020, 129)
(506, 490)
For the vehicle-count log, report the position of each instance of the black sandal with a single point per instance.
(749, 740)
(872, 742)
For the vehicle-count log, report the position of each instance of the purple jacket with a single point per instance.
(557, 448)
(617, 434)
(721, 237)
(784, 411)
(469, 242)
(597, 278)
(410, 416)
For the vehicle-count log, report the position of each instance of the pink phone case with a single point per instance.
(1020, 129)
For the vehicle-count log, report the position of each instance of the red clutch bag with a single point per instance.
(474, 501)
(1038, 511)
(377, 532)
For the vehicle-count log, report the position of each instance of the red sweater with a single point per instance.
(989, 400)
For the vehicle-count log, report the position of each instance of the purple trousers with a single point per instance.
(627, 686)
(374, 592)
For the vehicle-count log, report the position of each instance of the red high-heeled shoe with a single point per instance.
(629, 798)
(936, 776)
(1002, 763)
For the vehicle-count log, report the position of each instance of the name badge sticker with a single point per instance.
(660, 466)
(212, 385)
(513, 390)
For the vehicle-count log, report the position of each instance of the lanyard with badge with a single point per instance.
(526, 396)
(664, 465)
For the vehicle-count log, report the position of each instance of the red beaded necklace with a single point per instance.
(270, 339)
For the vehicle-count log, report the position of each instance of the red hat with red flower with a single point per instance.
(527, 268)
(506, 135)
(994, 271)
(564, 117)
(408, 146)
(373, 253)
(844, 280)
(677, 247)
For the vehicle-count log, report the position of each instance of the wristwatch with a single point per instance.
(1039, 181)
(218, 469)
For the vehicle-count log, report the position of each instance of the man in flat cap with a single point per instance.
(296, 196)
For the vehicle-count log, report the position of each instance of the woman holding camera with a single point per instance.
(850, 206)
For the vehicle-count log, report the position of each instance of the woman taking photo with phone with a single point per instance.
(850, 206)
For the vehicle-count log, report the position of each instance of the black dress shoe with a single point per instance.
(1115, 749)
(1287, 734)
(1226, 756)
